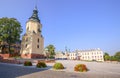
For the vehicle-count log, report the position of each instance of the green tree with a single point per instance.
(10, 30)
(106, 57)
(51, 50)
(117, 56)
(113, 58)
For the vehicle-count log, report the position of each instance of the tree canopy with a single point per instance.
(10, 30)
(106, 57)
(117, 56)
(51, 50)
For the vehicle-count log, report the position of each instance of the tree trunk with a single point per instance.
(9, 48)
(2, 49)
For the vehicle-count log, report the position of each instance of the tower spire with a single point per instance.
(36, 4)
(35, 7)
(34, 16)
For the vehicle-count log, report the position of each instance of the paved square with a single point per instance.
(96, 70)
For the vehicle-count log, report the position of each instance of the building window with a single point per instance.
(38, 40)
(37, 46)
(26, 45)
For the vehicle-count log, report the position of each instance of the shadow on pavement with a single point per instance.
(12, 71)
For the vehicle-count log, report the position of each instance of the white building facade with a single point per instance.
(61, 56)
(91, 55)
(72, 55)
(85, 55)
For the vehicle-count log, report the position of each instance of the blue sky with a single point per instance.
(77, 24)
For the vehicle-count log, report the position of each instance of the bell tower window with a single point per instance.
(37, 46)
(38, 40)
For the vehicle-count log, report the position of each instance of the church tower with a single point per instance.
(32, 45)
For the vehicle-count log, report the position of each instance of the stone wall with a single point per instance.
(29, 56)
(5, 56)
(13, 61)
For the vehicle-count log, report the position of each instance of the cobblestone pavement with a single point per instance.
(97, 70)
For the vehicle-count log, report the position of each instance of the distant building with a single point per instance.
(32, 45)
(88, 55)
(61, 56)
(72, 55)
(92, 55)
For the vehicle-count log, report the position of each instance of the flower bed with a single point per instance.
(27, 63)
(58, 66)
(80, 68)
(41, 65)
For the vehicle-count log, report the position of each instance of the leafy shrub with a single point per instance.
(80, 68)
(51, 57)
(58, 66)
(27, 63)
(41, 65)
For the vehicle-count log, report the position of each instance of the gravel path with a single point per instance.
(97, 70)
